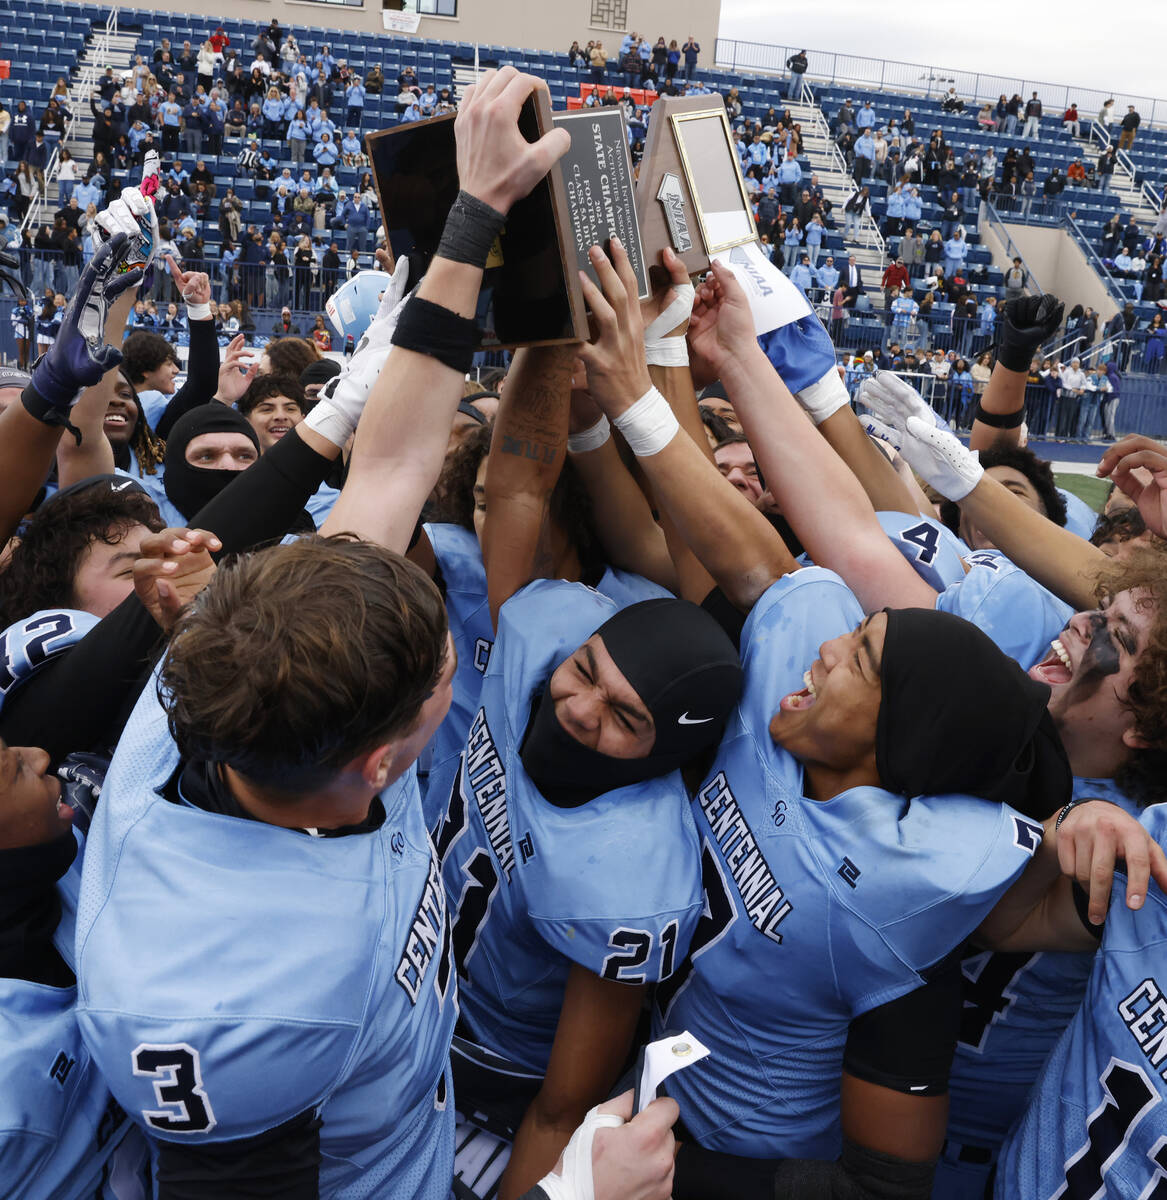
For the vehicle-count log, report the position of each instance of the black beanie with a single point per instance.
(959, 715)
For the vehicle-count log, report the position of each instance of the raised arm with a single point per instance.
(632, 540)
(734, 542)
(400, 444)
(832, 517)
(1025, 324)
(79, 358)
(1059, 560)
(527, 450)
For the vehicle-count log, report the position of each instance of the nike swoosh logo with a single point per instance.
(923, 1087)
(685, 719)
(120, 487)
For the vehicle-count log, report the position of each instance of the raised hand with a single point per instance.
(1028, 322)
(79, 356)
(171, 569)
(721, 326)
(1121, 463)
(193, 286)
(935, 454)
(617, 370)
(235, 374)
(496, 163)
(666, 311)
(133, 214)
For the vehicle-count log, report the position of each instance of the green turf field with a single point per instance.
(1086, 487)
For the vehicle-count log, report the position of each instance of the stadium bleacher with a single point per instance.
(52, 35)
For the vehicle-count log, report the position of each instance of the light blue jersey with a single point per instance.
(459, 556)
(1096, 1125)
(931, 547)
(1016, 1006)
(613, 885)
(321, 502)
(1001, 600)
(815, 912)
(233, 974)
(1080, 517)
(27, 645)
(62, 1135)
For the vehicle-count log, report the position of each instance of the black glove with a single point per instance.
(10, 274)
(1028, 321)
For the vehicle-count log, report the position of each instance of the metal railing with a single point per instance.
(990, 214)
(872, 236)
(80, 89)
(925, 79)
(1113, 285)
(1143, 190)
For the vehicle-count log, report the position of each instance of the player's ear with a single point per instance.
(1134, 740)
(374, 765)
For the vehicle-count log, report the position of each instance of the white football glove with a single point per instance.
(875, 428)
(342, 400)
(661, 350)
(575, 1181)
(935, 454)
(132, 214)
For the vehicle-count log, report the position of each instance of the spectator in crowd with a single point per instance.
(796, 64)
(1129, 126)
(857, 208)
(1070, 122)
(1016, 278)
(1105, 169)
(690, 50)
(1032, 119)
(1106, 113)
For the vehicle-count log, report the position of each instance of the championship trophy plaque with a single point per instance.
(531, 292)
(689, 192)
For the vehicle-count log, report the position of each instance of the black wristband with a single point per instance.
(999, 420)
(429, 328)
(37, 406)
(1074, 804)
(471, 228)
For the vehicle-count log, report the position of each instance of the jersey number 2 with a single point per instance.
(183, 1106)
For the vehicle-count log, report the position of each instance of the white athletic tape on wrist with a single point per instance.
(824, 398)
(679, 309)
(332, 425)
(590, 439)
(667, 352)
(649, 425)
(197, 312)
(576, 1181)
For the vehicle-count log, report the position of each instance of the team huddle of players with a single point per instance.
(387, 848)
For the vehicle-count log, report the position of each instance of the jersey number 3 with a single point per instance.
(183, 1106)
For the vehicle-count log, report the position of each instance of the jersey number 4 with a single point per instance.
(1130, 1096)
(183, 1106)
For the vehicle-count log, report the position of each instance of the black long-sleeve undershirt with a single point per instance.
(202, 376)
(80, 700)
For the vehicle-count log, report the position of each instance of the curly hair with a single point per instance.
(42, 568)
(144, 352)
(267, 387)
(298, 658)
(1036, 470)
(1124, 525)
(1143, 777)
(290, 355)
(570, 507)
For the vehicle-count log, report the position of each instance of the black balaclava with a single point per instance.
(685, 670)
(959, 715)
(190, 488)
